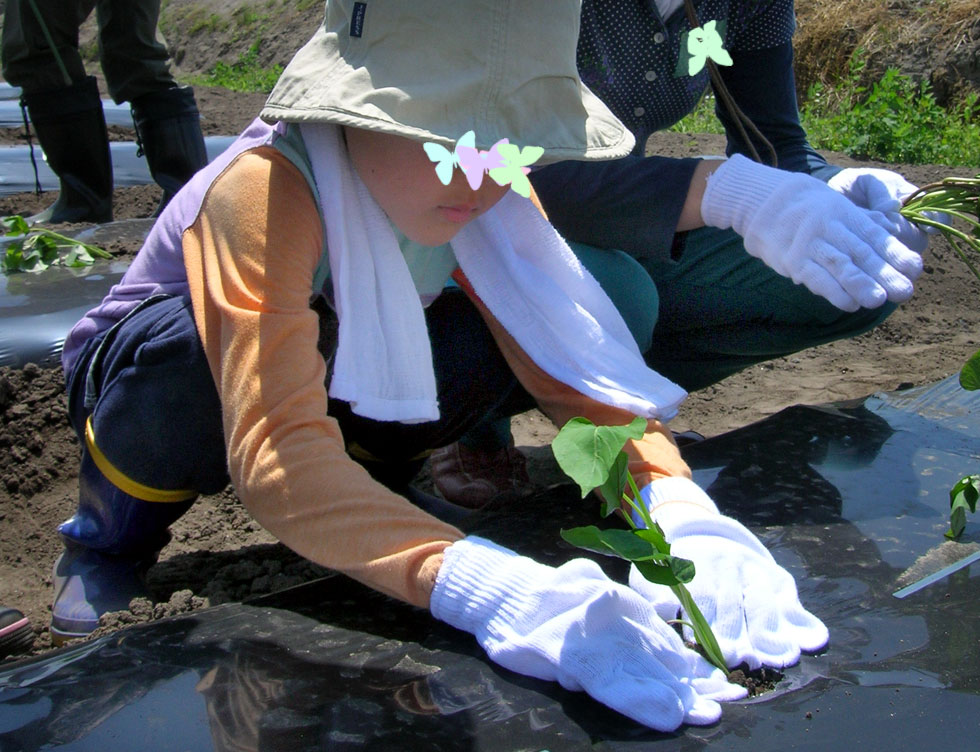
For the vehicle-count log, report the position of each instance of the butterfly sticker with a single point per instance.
(516, 167)
(704, 43)
(504, 162)
(446, 160)
(475, 162)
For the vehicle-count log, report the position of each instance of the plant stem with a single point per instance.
(638, 505)
(93, 249)
(962, 253)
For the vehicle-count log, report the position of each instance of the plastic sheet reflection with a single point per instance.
(38, 310)
(851, 498)
(17, 171)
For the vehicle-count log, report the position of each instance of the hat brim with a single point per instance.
(343, 81)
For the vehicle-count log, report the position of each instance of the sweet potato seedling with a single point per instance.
(593, 457)
(35, 249)
(959, 200)
(962, 497)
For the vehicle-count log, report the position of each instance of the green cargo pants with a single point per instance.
(134, 57)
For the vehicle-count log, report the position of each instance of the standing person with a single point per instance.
(286, 326)
(40, 55)
(750, 263)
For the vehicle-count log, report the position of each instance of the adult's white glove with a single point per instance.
(884, 191)
(574, 625)
(811, 234)
(749, 600)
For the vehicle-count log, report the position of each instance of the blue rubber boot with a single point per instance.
(88, 584)
(110, 542)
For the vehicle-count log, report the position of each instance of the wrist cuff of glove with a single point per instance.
(478, 579)
(674, 500)
(736, 190)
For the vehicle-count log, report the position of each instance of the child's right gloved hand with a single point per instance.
(749, 600)
(574, 625)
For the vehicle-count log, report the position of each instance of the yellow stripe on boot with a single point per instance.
(122, 481)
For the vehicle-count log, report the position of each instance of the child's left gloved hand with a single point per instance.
(573, 625)
(749, 600)
(884, 191)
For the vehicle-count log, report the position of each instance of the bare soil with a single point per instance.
(218, 553)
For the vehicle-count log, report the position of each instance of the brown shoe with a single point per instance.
(473, 478)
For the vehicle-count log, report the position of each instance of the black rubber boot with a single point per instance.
(168, 127)
(70, 127)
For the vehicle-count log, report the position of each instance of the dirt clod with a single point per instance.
(758, 681)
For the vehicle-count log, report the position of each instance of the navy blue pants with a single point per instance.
(156, 415)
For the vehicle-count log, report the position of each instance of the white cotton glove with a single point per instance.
(884, 191)
(811, 234)
(574, 625)
(749, 600)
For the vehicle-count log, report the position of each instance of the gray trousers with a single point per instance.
(133, 55)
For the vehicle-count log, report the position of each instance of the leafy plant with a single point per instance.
(702, 119)
(245, 75)
(593, 457)
(958, 198)
(962, 496)
(35, 249)
(897, 120)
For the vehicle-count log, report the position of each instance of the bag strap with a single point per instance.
(742, 121)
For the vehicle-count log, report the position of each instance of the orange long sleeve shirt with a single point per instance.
(250, 258)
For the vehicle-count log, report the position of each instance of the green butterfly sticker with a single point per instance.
(516, 167)
(700, 45)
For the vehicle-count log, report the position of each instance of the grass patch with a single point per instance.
(89, 51)
(192, 19)
(203, 21)
(245, 75)
(893, 120)
(702, 119)
(247, 16)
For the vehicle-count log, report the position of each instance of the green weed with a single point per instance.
(247, 16)
(245, 75)
(701, 120)
(896, 120)
(207, 22)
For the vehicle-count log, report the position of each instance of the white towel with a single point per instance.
(521, 268)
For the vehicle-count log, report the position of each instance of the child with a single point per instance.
(270, 331)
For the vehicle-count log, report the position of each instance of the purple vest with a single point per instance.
(159, 266)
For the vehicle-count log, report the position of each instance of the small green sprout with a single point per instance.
(962, 497)
(35, 249)
(958, 198)
(593, 457)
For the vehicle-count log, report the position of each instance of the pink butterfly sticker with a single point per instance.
(506, 163)
(475, 162)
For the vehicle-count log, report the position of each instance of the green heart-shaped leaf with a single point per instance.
(970, 373)
(587, 452)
